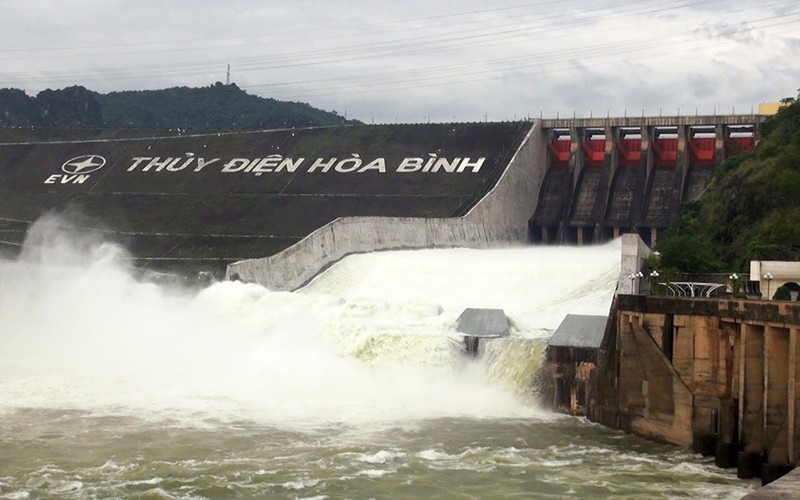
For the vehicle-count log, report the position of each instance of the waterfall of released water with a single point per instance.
(370, 340)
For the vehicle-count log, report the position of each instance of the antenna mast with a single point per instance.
(228, 78)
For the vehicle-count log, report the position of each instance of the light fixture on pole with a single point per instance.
(734, 283)
(768, 277)
(633, 277)
(653, 281)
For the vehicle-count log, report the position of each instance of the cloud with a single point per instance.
(410, 60)
(740, 32)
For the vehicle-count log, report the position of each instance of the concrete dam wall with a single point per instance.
(275, 207)
(499, 216)
(583, 181)
(182, 202)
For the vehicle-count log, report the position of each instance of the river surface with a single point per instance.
(356, 386)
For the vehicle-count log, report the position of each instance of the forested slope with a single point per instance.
(751, 210)
(217, 107)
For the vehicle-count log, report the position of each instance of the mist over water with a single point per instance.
(354, 386)
(82, 332)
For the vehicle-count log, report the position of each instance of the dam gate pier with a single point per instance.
(718, 375)
(608, 176)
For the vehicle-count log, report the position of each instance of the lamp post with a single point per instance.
(633, 277)
(653, 279)
(768, 277)
(734, 284)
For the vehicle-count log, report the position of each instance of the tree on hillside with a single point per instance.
(751, 208)
(71, 107)
(16, 108)
(216, 107)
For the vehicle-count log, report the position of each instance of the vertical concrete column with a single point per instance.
(792, 397)
(726, 450)
(612, 160)
(725, 360)
(576, 158)
(546, 136)
(684, 155)
(647, 150)
(612, 139)
(751, 388)
(721, 135)
(648, 162)
(704, 373)
(776, 391)
(751, 397)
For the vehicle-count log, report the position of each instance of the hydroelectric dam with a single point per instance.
(277, 206)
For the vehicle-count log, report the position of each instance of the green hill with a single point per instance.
(217, 107)
(751, 210)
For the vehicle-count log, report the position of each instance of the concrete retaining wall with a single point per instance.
(634, 251)
(501, 217)
(719, 375)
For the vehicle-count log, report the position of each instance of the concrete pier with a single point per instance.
(717, 375)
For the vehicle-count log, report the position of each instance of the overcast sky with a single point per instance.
(420, 60)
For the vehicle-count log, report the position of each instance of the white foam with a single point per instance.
(535, 286)
(370, 341)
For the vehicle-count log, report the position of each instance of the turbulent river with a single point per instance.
(355, 386)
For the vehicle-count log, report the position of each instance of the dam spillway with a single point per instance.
(275, 207)
(608, 176)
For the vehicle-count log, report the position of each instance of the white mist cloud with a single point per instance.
(79, 331)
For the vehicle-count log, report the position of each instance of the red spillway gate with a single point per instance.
(702, 149)
(738, 145)
(665, 146)
(739, 139)
(560, 147)
(629, 147)
(702, 146)
(594, 148)
(595, 152)
(665, 151)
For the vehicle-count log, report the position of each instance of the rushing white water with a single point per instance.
(372, 339)
(355, 386)
(536, 287)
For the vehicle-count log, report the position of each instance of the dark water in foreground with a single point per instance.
(54, 453)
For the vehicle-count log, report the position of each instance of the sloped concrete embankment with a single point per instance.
(501, 217)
